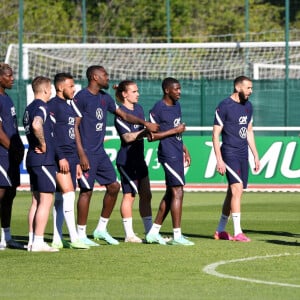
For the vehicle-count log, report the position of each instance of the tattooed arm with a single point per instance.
(38, 131)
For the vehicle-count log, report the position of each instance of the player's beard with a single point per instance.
(243, 98)
(67, 97)
(106, 86)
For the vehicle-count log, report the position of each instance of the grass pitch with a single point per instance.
(266, 268)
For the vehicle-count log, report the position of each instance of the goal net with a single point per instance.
(155, 61)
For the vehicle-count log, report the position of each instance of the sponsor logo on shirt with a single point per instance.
(72, 133)
(99, 126)
(99, 113)
(243, 132)
(176, 122)
(13, 111)
(71, 121)
(243, 120)
(26, 117)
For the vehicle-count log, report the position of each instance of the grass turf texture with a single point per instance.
(142, 271)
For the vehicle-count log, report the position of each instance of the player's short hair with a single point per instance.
(4, 67)
(91, 70)
(38, 82)
(122, 87)
(61, 77)
(167, 82)
(239, 80)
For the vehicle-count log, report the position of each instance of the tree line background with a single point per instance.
(57, 21)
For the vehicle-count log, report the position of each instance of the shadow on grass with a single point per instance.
(270, 232)
(277, 233)
(283, 243)
(24, 239)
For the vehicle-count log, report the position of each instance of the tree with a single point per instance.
(142, 20)
(51, 18)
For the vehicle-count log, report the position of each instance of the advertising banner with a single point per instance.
(279, 156)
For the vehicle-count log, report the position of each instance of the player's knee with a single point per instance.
(113, 188)
(237, 189)
(178, 192)
(146, 196)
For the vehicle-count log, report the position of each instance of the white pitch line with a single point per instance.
(211, 269)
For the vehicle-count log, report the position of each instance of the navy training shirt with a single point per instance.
(39, 108)
(93, 109)
(168, 117)
(132, 153)
(234, 118)
(63, 113)
(8, 118)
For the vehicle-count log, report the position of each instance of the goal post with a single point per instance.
(154, 60)
(270, 71)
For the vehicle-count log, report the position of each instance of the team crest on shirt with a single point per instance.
(99, 113)
(243, 132)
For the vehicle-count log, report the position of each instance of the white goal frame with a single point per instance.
(182, 60)
(258, 66)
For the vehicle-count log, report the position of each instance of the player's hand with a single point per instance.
(153, 127)
(186, 159)
(16, 150)
(78, 171)
(64, 167)
(187, 162)
(221, 168)
(84, 163)
(257, 164)
(40, 149)
(180, 128)
(150, 136)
